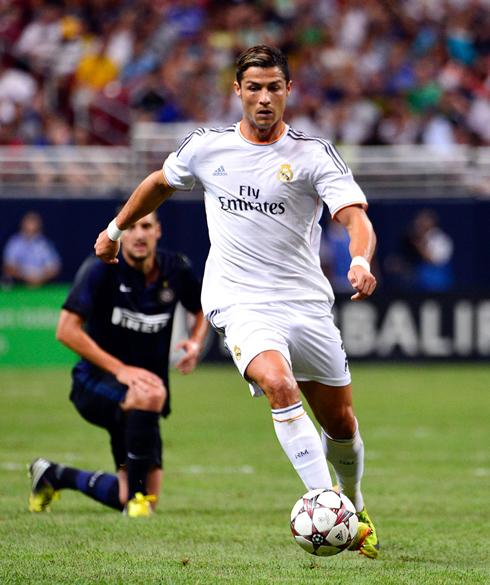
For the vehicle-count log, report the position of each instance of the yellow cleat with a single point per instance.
(370, 545)
(139, 506)
(42, 493)
(363, 531)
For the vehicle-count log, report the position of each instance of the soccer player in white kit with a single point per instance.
(263, 289)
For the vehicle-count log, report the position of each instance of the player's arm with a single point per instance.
(362, 245)
(149, 195)
(71, 333)
(193, 345)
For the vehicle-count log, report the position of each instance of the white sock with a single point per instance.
(302, 444)
(347, 459)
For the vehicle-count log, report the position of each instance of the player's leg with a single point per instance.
(342, 444)
(343, 448)
(141, 411)
(48, 478)
(153, 483)
(294, 428)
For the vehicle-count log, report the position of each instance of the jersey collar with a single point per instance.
(283, 133)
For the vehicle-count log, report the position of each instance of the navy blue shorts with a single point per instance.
(97, 400)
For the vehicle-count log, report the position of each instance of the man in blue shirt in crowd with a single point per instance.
(29, 257)
(118, 318)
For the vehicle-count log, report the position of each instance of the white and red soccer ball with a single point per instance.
(324, 522)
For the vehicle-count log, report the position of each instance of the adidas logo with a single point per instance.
(220, 172)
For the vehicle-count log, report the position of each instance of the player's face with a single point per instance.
(139, 242)
(263, 93)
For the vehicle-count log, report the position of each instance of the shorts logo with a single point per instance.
(238, 353)
(285, 175)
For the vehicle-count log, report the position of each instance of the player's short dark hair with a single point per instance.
(262, 56)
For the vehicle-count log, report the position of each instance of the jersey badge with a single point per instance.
(238, 353)
(125, 289)
(285, 175)
(166, 294)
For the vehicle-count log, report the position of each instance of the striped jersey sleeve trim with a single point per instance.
(327, 145)
(231, 128)
(201, 132)
(188, 138)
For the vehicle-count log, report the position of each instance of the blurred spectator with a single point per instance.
(39, 41)
(423, 262)
(29, 257)
(17, 89)
(364, 71)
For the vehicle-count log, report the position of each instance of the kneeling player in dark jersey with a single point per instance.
(118, 318)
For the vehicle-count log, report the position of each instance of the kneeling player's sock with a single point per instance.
(302, 444)
(347, 459)
(100, 486)
(141, 437)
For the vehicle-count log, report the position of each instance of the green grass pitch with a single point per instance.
(229, 488)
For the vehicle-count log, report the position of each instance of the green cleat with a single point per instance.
(363, 531)
(42, 493)
(139, 506)
(368, 544)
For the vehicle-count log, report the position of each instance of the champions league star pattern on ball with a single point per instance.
(324, 522)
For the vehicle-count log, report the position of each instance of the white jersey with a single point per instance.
(263, 204)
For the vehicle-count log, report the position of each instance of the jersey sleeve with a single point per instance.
(334, 182)
(89, 280)
(178, 168)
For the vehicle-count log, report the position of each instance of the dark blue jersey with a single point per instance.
(126, 318)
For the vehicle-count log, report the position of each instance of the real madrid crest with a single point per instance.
(166, 294)
(238, 353)
(285, 175)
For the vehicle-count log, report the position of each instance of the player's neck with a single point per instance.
(266, 135)
(147, 266)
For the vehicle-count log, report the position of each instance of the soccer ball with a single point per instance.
(324, 522)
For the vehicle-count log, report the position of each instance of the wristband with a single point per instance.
(360, 261)
(114, 232)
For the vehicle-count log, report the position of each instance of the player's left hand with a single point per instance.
(188, 361)
(362, 281)
(106, 249)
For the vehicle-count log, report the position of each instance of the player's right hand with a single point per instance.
(133, 376)
(146, 390)
(106, 249)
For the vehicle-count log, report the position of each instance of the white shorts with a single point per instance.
(302, 331)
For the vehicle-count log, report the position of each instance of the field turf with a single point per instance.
(229, 488)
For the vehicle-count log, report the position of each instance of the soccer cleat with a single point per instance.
(42, 493)
(370, 544)
(139, 506)
(363, 531)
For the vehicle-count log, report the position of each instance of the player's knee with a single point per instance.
(281, 390)
(155, 399)
(151, 400)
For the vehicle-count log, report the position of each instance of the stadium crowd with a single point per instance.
(365, 71)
